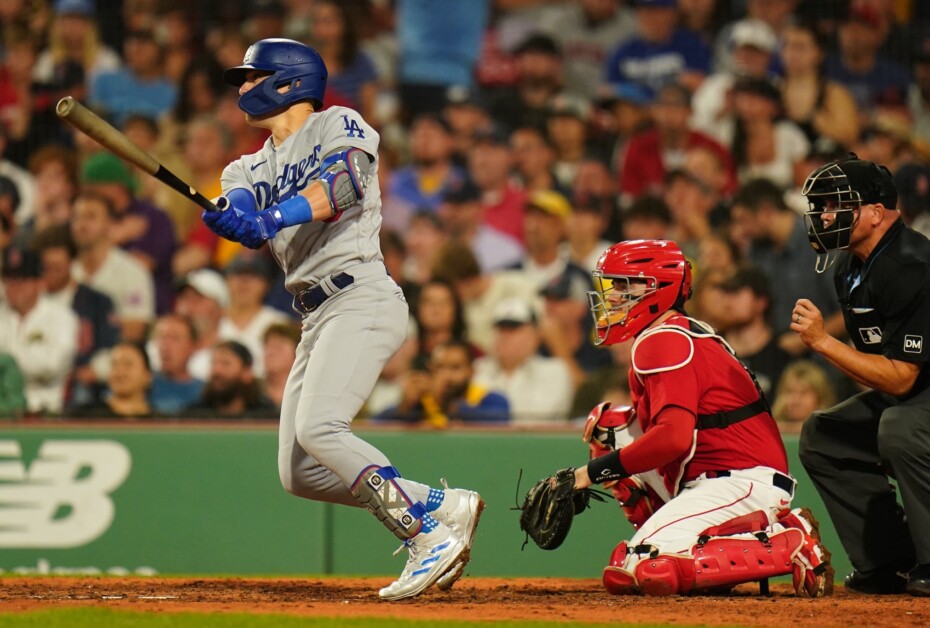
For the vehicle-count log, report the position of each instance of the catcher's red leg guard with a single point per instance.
(719, 563)
(728, 562)
(617, 580)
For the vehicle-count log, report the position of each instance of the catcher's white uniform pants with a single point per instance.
(343, 347)
(706, 502)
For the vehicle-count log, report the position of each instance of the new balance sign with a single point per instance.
(913, 344)
(63, 498)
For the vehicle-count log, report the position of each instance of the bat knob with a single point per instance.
(222, 203)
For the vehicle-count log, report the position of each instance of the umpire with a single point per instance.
(882, 280)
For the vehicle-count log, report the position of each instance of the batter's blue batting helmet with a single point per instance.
(290, 63)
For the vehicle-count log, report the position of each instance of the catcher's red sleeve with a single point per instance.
(669, 437)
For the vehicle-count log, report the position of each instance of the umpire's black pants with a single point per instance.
(849, 451)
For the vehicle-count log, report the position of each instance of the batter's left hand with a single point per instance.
(259, 227)
(807, 322)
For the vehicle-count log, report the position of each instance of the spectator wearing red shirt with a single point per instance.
(651, 154)
(490, 166)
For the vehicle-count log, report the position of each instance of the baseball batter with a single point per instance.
(699, 445)
(312, 192)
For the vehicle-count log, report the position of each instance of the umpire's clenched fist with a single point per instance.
(807, 322)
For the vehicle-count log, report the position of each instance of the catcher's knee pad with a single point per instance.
(378, 491)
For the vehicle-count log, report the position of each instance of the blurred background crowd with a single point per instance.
(519, 139)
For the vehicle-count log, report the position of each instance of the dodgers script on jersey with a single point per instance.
(311, 251)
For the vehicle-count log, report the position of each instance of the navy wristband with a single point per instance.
(607, 467)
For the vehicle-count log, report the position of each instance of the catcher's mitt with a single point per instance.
(549, 507)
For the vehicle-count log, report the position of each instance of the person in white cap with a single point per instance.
(538, 388)
(202, 296)
(753, 44)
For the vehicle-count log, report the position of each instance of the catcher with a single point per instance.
(697, 462)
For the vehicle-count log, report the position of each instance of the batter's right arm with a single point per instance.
(338, 188)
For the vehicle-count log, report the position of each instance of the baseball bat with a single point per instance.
(92, 125)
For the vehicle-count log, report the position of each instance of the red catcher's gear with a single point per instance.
(666, 272)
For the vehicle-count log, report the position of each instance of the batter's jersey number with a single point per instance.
(352, 128)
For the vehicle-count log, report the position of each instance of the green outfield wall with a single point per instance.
(178, 499)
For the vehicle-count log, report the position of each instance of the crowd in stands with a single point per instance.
(519, 139)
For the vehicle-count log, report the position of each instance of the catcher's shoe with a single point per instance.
(813, 574)
(460, 511)
(431, 555)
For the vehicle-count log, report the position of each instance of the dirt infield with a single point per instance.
(472, 598)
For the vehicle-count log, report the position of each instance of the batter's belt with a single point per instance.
(310, 299)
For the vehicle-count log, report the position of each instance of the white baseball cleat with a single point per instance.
(431, 555)
(460, 511)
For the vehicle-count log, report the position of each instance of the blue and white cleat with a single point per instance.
(460, 511)
(432, 554)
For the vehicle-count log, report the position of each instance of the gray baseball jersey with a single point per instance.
(311, 251)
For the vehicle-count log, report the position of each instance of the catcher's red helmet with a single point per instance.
(638, 281)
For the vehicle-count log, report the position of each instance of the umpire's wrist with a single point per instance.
(607, 467)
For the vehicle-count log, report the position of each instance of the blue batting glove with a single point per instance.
(225, 221)
(257, 227)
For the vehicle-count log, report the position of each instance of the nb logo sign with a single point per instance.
(913, 344)
(63, 498)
